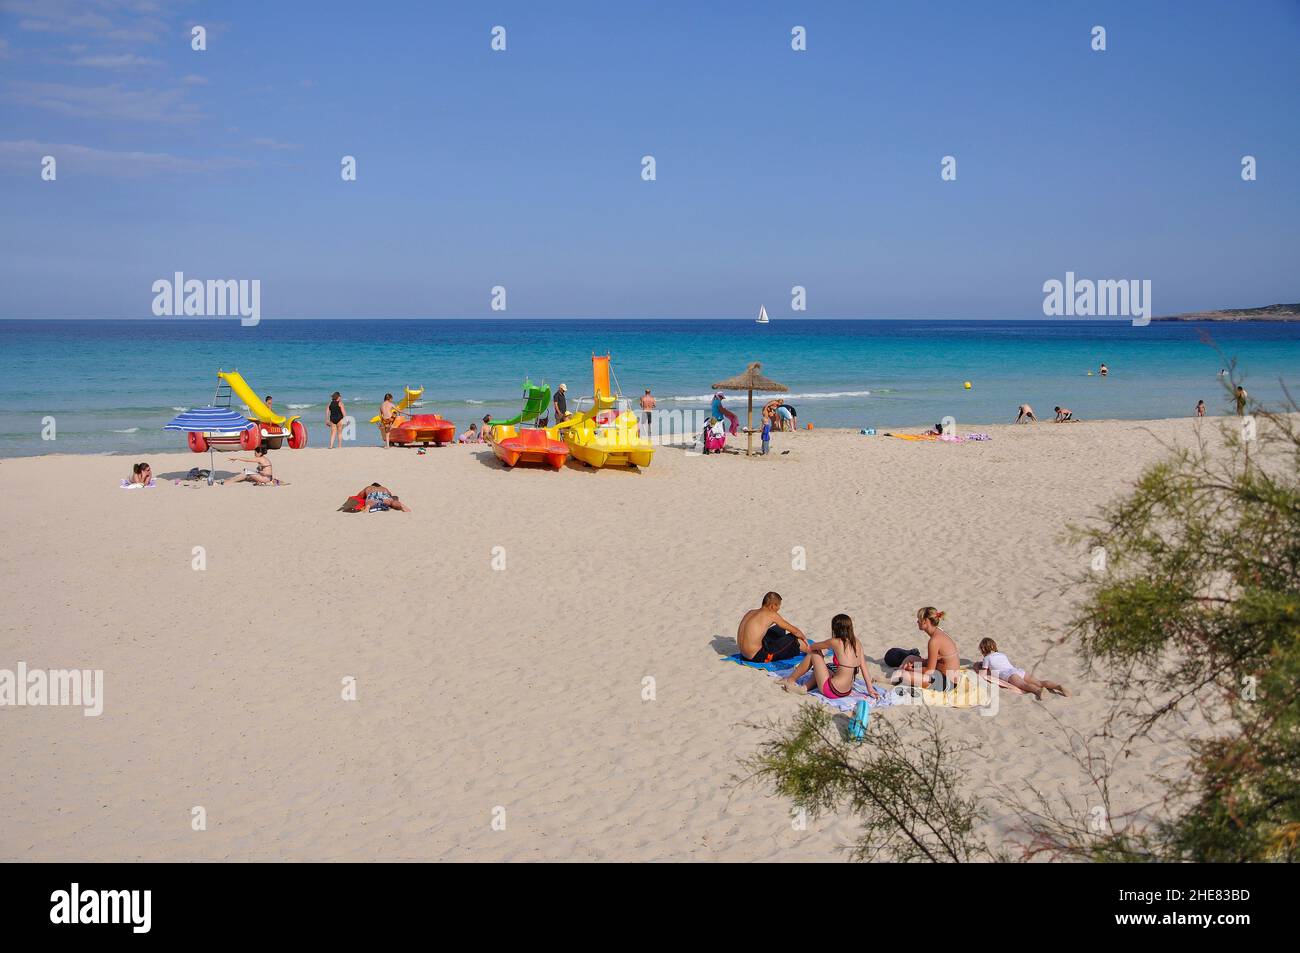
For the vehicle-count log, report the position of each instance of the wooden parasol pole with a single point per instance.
(749, 430)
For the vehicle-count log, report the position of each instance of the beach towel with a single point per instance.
(971, 691)
(847, 704)
(1003, 685)
(946, 437)
(128, 485)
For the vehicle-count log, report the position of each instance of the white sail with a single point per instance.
(762, 315)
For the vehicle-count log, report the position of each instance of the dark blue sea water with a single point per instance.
(111, 385)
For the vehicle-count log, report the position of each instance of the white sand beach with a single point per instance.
(479, 689)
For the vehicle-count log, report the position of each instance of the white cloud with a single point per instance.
(113, 61)
(275, 144)
(193, 79)
(107, 102)
(26, 154)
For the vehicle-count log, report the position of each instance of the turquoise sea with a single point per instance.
(111, 385)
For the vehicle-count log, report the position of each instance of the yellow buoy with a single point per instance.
(967, 385)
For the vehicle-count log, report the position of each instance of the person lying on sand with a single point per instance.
(999, 666)
(1063, 415)
(764, 636)
(836, 682)
(262, 475)
(141, 475)
(938, 670)
(1026, 413)
(380, 498)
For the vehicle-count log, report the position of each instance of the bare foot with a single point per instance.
(793, 687)
(1062, 690)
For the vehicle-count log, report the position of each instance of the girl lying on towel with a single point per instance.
(834, 682)
(141, 476)
(999, 666)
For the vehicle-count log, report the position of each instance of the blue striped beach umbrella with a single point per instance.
(209, 420)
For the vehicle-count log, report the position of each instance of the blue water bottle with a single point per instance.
(858, 723)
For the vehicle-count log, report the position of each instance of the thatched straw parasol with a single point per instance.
(751, 381)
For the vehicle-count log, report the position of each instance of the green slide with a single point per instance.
(537, 403)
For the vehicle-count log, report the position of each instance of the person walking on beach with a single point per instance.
(334, 418)
(764, 636)
(1200, 408)
(647, 410)
(939, 668)
(1026, 413)
(837, 682)
(561, 403)
(387, 417)
(1240, 398)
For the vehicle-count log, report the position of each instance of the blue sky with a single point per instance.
(523, 168)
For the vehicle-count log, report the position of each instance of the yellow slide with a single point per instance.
(412, 395)
(239, 387)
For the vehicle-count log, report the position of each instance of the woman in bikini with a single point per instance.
(262, 475)
(834, 682)
(938, 669)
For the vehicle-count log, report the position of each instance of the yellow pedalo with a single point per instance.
(604, 431)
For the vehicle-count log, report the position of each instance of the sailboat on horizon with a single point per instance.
(762, 316)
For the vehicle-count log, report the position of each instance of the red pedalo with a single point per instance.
(251, 438)
(198, 442)
(297, 435)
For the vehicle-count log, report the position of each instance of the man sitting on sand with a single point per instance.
(939, 668)
(764, 636)
(1026, 413)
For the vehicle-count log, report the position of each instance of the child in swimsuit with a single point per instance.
(999, 666)
(834, 682)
